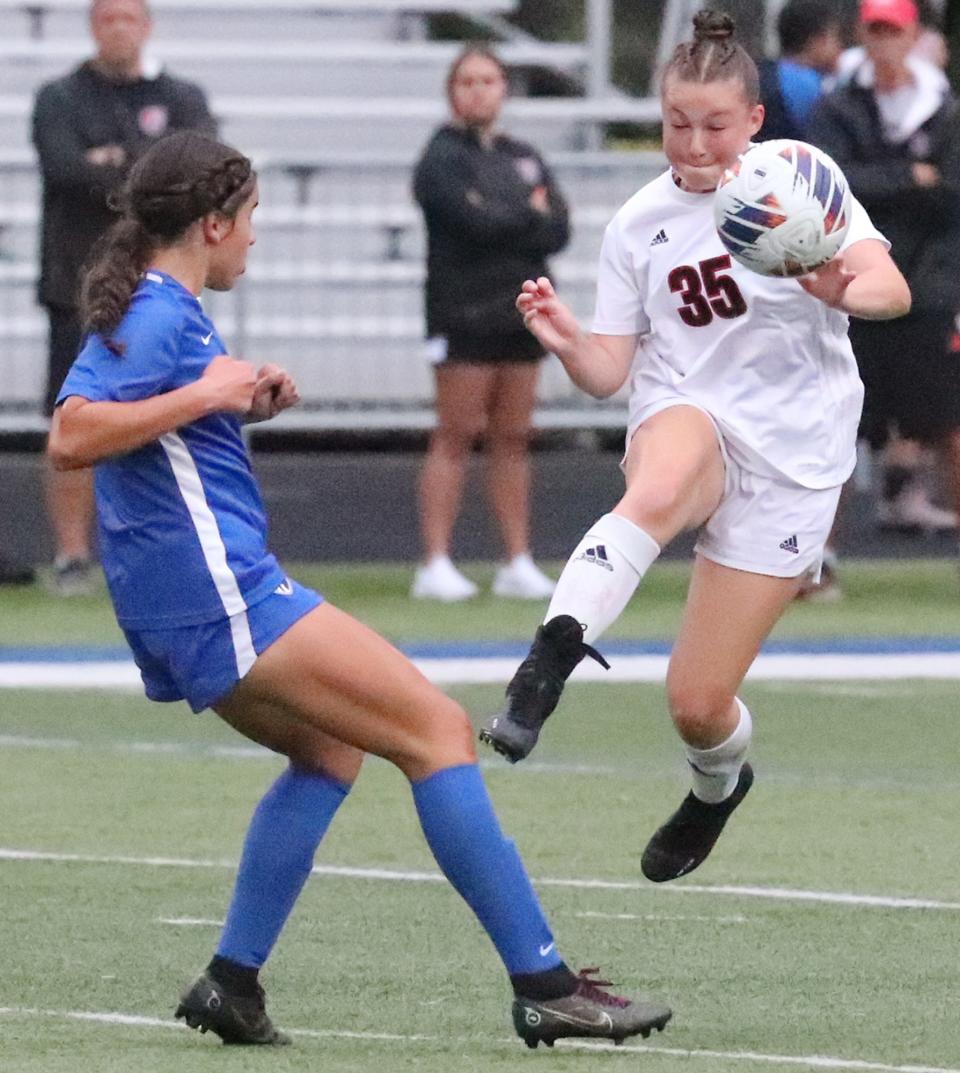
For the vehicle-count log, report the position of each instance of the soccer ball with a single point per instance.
(783, 209)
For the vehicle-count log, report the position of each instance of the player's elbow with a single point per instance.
(64, 451)
(60, 457)
(601, 384)
(905, 300)
(898, 302)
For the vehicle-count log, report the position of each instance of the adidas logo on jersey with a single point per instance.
(597, 556)
(790, 544)
(659, 238)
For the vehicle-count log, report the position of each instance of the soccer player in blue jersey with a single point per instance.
(156, 405)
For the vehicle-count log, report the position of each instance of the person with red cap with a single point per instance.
(893, 128)
(900, 13)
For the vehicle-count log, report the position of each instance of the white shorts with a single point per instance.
(764, 524)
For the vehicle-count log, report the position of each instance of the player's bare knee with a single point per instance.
(659, 503)
(334, 760)
(448, 736)
(697, 709)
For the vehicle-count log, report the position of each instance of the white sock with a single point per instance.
(603, 573)
(715, 771)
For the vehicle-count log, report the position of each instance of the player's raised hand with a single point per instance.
(275, 390)
(829, 283)
(230, 383)
(546, 316)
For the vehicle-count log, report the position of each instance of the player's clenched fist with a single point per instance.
(275, 391)
(231, 383)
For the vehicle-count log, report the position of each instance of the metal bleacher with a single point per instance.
(334, 102)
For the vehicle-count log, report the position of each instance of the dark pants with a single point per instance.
(64, 345)
(910, 376)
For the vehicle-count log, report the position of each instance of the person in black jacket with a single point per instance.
(894, 128)
(88, 128)
(493, 214)
(810, 33)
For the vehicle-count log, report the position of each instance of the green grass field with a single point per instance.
(921, 597)
(141, 809)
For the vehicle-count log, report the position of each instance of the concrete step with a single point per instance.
(331, 124)
(317, 19)
(323, 68)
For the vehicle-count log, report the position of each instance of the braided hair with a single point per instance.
(179, 180)
(713, 55)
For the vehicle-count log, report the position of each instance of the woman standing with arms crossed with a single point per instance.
(156, 405)
(743, 416)
(493, 214)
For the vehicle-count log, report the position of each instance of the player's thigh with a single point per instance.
(308, 748)
(728, 614)
(335, 674)
(674, 469)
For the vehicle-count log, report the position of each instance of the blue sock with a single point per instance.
(278, 853)
(484, 867)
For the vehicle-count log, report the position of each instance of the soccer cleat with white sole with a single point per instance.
(590, 1012)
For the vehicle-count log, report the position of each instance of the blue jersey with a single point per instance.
(801, 87)
(182, 526)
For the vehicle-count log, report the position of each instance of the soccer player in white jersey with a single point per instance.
(743, 414)
(156, 404)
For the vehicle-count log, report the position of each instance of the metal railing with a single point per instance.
(333, 290)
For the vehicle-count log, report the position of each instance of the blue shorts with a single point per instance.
(201, 664)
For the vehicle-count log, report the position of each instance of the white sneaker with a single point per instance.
(439, 579)
(522, 579)
(912, 510)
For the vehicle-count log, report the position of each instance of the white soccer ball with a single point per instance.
(783, 209)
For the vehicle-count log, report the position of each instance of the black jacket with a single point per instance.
(484, 238)
(81, 111)
(921, 223)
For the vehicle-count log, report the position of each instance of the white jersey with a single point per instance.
(772, 365)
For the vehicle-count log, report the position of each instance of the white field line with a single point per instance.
(804, 667)
(198, 751)
(203, 922)
(660, 917)
(190, 922)
(188, 750)
(388, 875)
(816, 1061)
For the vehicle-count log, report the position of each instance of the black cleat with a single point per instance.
(590, 1012)
(536, 686)
(237, 1019)
(684, 842)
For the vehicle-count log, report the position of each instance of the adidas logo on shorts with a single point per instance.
(790, 544)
